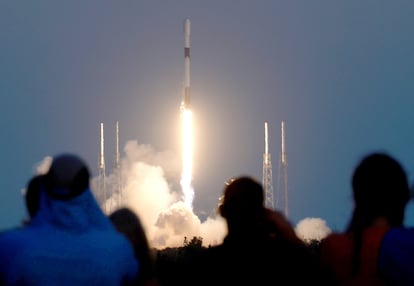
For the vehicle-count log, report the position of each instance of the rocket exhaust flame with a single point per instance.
(187, 157)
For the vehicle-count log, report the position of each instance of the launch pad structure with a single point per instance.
(267, 180)
(102, 195)
(109, 196)
(280, 202)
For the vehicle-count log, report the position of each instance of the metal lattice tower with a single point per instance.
(117, 171)
(102, 177)
(267, 174)
(282, 186)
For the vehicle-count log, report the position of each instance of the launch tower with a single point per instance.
(102, 195)
(282, 186)
(267, 174)
(117, 171)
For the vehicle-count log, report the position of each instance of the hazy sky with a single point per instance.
(339, 73)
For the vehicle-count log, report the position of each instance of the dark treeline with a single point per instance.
(171, 263)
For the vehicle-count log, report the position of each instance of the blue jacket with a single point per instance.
(68, 242)
(396, 257)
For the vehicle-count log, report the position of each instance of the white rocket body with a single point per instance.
(187, 96)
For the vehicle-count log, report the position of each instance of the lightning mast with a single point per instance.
(267, 174)
(117, 170)
(282, 189)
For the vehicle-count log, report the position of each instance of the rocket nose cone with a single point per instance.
(187, 26)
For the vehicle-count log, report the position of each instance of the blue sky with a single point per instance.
(339, 73)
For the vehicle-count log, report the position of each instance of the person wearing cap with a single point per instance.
(260, 245)
(69, 241)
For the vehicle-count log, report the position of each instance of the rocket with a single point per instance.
(101, 155)
(187, 97)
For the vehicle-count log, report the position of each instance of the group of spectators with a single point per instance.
(68, 240)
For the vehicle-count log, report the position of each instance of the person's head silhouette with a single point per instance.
(242, 198)
(67, 177)
(380, 189)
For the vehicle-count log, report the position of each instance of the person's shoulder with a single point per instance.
(402, 231)
(335, 238)
(400, 235)
(333, 242)
(112, 244)
(117, 241)
(14, 240)
(12, 234)
(396, 259)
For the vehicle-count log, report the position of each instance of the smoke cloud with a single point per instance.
(309, 229)
(150, 187)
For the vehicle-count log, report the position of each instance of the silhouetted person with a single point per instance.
(380, 192)
(32, 196)
(260, 247)
(127, 222)
(69, 241)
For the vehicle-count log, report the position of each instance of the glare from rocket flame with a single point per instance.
(187, 156)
